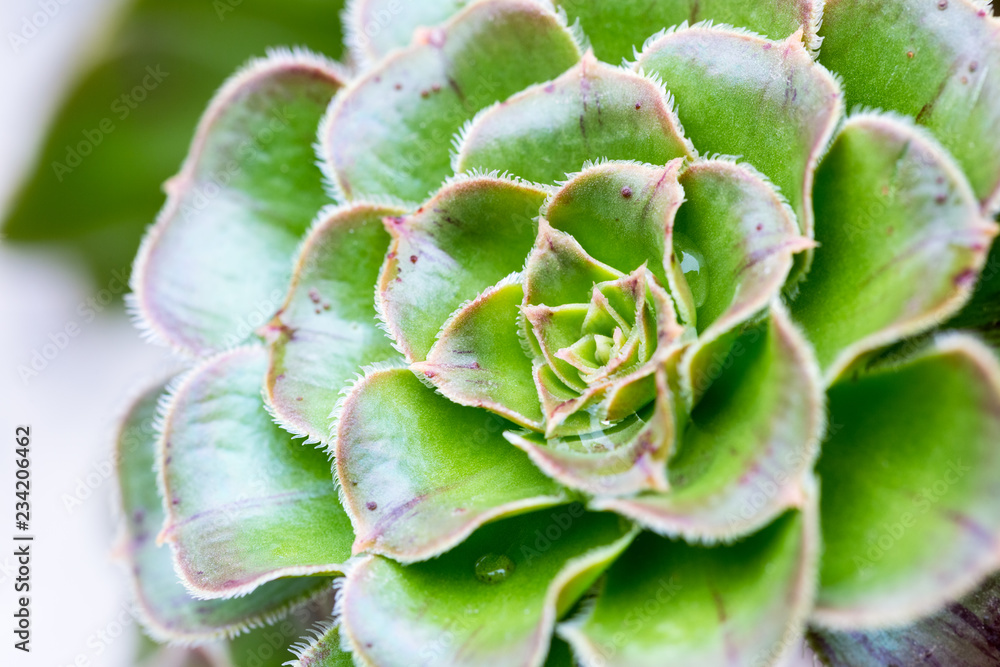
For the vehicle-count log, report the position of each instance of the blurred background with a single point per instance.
(100, 100)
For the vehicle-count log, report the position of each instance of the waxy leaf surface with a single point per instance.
(479, 359)
(963, 634)
(216, 263)
(615, 29)
(610, 460)
(749, 442)
(902, 241)
(389, 133)
(622, 214)
(734, 241)
(493, 600)
(420, 473)
(165, 607)
(766, 101)
(666, 602)
(938, 62)
(245, 503)
(618, 29)
(471, 235)
(327, 329)
(594, 111)
(373, 28)
(910, 504)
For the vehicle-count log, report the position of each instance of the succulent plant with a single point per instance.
(644, 364)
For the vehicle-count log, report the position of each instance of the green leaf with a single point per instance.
(963, 634)
(617, 29)
(749, 442)
(594, 111)
(564, 406)
(622, 214)
(276, 644)
(492, 600)
(389, 132)
(420, 473)
(902, 241)
(323, 649)
(326, 330)
(610, 460)
(781, 108)
(577, 398)
(612, 28)
(218, 257)
(666, 602)
(478, 360)
(734, 238)
(910, 501)
(245, 504)
(938, 62)
(472, 234)
(556, 329)
(741, 235)
(143, 82)
(560, 272)
(373, 28)
(166, 609)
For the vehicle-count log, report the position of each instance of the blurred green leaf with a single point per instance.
(126, 125)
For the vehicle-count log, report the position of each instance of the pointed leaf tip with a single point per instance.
(594, 111)
(470, 236)
(494, 599)
(216, 263)
(748, 444)
(389, 132)
(326, 330)
(164, 606)
(233, 481)
(420, 473)
(903, 242)
(782, 108)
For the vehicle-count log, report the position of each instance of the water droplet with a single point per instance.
(494, 568)
(694, 268)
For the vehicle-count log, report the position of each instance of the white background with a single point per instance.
(77, 593)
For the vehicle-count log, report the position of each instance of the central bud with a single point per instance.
(595, 358)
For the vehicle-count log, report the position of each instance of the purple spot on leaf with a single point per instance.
(966, 278)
